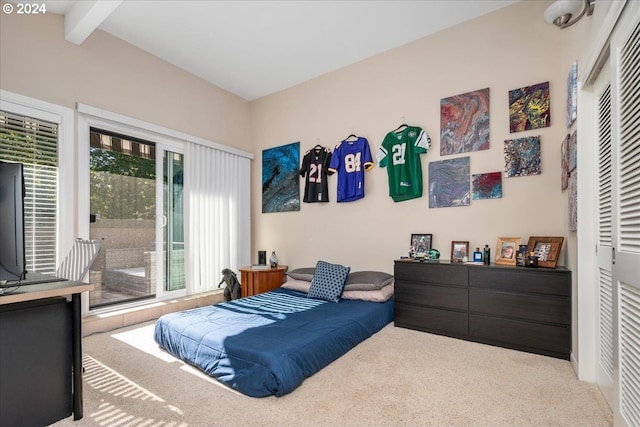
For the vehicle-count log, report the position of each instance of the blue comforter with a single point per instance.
(269, 343)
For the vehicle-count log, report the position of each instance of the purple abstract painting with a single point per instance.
(464, 122)
(449, 183)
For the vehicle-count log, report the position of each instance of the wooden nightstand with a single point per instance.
(257, 281)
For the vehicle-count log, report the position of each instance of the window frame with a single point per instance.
(65, 119)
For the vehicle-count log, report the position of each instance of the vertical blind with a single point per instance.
(34, 143)
(217, 210)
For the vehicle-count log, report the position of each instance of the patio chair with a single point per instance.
(79, 259)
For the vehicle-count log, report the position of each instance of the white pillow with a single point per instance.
(297, 285)
(376, 295)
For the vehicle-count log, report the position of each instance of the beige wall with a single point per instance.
(508, 49)
(107, 73)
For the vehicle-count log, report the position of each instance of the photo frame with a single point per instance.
(459, 250)
(506, 250)
(547, 249)
(420, 245)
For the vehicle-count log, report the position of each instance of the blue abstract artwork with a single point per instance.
(522, 156)
(280, 181)
(486, 186)
(449, 183)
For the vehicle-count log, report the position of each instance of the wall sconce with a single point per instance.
(564, 13)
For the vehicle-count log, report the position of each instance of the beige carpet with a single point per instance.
(398, 377)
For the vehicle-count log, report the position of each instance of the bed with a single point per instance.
(269, 343)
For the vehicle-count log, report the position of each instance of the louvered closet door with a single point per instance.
(626, 271)
(606, 316)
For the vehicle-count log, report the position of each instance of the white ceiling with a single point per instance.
(256, 48)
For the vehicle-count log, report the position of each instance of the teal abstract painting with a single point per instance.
(280, 181)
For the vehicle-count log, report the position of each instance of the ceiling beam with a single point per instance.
(85, 17)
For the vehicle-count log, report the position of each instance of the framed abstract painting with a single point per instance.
(529, 108)
(464, 122)
(280, 180)
(449, 183)
(486, 186)
(522, 156)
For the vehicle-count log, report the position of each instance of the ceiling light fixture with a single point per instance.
(564, 13)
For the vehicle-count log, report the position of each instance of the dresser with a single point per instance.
(256, 281)
(525, 309)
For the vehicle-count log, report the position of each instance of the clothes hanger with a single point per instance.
(400, 128)
(352, 135)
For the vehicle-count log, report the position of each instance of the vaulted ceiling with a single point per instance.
(256, 48)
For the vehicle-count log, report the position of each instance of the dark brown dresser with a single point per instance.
(525, 309)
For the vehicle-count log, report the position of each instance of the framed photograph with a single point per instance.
(420, 245)
(506, 251)
(547, 249)
(459, 250)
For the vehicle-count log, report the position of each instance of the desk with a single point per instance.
(31, 299)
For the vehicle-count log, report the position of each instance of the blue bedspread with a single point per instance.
(269, 343)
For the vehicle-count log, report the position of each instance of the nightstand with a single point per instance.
(256, 281)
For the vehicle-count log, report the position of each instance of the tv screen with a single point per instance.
(13, 265)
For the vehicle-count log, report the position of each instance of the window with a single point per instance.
(32, 122)
(34, 143)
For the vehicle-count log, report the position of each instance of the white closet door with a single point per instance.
(604, 251)
(626, 272)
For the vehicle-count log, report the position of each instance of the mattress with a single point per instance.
(269, 343)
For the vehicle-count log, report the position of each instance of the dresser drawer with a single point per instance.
(530, 307)
(533, 337)
(444, 322)
(447, 297)
(525, 280)
(433, 273)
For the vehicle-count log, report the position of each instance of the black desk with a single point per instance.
(37, 299)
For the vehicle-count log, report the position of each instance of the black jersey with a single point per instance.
(315, 166)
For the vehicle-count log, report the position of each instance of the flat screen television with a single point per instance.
(13, 264)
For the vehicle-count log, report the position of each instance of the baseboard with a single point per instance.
(109, 321)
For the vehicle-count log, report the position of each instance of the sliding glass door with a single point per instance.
(172, 222)
(137, 210)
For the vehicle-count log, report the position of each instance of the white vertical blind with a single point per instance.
(217, 192)
(34, 143)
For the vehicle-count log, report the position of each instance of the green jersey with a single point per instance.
(400, 154)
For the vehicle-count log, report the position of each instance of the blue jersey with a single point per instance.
(350, 160)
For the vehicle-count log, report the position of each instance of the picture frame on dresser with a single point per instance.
(459, 250)
(420, 245)
(506, 250)
(547, 249)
